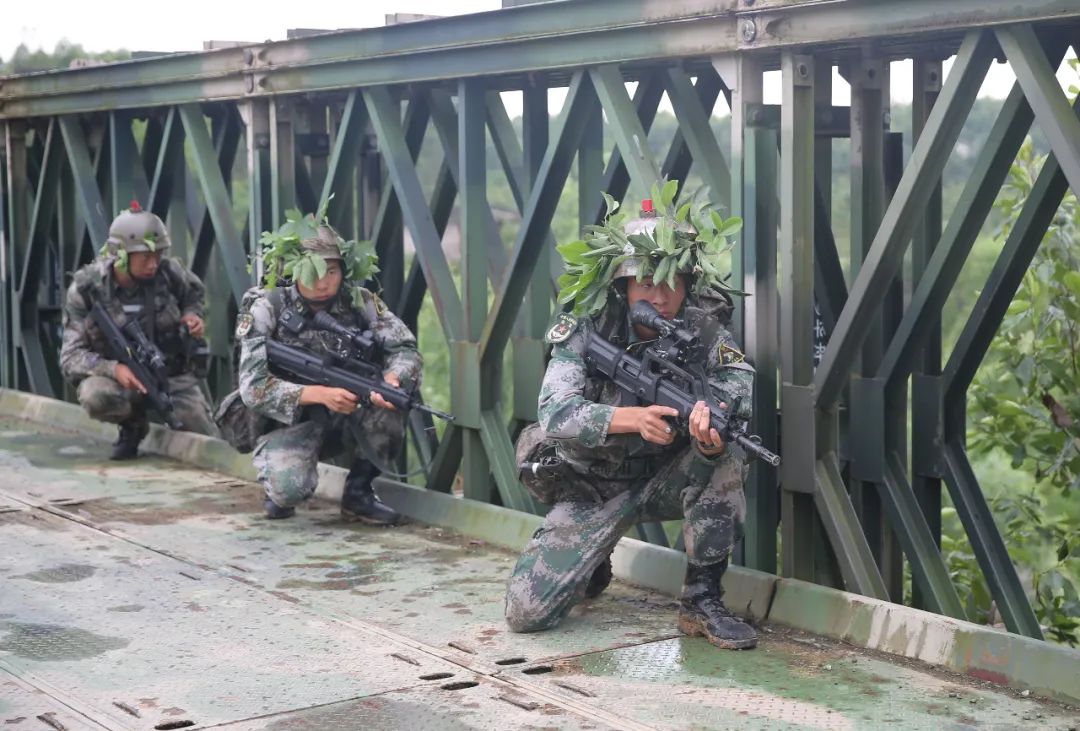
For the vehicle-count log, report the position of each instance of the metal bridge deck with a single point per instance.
(153, 595)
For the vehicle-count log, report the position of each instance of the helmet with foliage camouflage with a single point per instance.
(300, 248)
(662, 243)
(137, 230)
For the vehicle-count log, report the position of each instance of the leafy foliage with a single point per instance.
(285, 257)
(1026, 401)
(671, 248)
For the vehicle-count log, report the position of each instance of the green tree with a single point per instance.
(1026, 401)
(25, 61)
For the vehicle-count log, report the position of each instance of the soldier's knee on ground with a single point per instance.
(104, 399)
(289, 488)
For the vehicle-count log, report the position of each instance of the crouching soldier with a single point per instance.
(135, 279)
(607, 461)
(307, 422)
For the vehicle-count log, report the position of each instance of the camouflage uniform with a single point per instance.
(617, 480)
(286, 458)
(173, 293)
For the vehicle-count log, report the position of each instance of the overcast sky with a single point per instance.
(102, 25)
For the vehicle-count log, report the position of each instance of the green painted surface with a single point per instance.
(176, 599)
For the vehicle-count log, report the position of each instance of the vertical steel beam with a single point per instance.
(796, 314)
(926, 393)
(6, 279)
(760, 283)
(472, 391)
(128, 175)
(591, 167)
(282, 159)
(256, 115)
(868, 77)
(886, 253)
(18, 218)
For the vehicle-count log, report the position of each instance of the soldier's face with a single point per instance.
(667, 300)
(326, 287)
(143, 264)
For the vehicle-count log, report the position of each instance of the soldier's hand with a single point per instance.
(391, 379)
(127, 379)
(195, 324)
(709, 441)
(337, 400)
(653, 427)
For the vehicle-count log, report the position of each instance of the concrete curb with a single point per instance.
(962, 647)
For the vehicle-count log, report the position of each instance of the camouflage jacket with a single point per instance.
(576, 406)
(271, 395)
(173, 293)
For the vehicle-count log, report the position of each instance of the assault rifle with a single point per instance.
(353, 368)
(130, 346)
(672, 373)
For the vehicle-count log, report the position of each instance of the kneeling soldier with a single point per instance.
(309, 422)
(136, 280)
(608, 461)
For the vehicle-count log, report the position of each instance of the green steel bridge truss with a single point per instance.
(348, 112)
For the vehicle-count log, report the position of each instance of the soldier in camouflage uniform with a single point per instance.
(311, 421)
(621, 463)
(135, 278)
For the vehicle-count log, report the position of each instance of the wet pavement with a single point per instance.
(154, 595)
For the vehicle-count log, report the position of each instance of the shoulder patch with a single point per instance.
(730, 355)
(562, 328)
(243, 324)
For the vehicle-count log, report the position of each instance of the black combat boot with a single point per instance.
(276, 512)
(701, 611)
(132, 432)
(359, 501)
(599, 580)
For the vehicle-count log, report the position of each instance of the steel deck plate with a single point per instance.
(171, 599)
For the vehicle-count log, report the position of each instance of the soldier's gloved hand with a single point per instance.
(337, 400)
(708, 440)
(127, 379)
(391, 379)
(195, 324)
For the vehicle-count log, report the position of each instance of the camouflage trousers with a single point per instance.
(287, 459)
(554, 569)
(106, 400)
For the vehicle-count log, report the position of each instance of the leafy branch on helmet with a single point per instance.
(686, 239)
(285, 256)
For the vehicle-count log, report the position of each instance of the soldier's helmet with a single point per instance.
(645, 223)
(137, 230)
(326, 243)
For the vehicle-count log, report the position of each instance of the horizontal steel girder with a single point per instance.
(543, 37)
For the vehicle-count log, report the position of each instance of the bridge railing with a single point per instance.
(221, 143)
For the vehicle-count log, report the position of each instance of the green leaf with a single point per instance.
(667, 195)
(1072, 280)
(729, 227)
(573, 251)
(610, 204)
(319, 264)
(682, 213)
